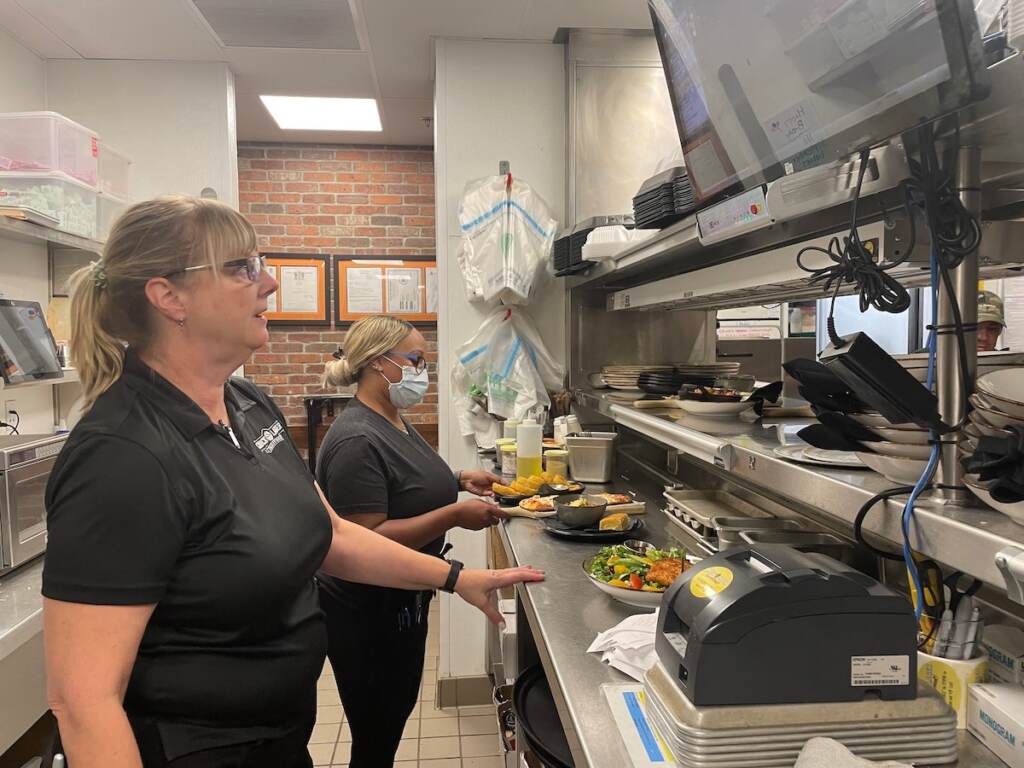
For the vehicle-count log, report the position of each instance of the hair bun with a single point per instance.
(339, 373)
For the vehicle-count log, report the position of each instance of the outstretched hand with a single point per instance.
(478, 482)
(479, 587)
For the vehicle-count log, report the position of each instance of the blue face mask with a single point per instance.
(410, 389)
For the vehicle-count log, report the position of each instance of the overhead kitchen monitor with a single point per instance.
(762, 88)
(27, 349)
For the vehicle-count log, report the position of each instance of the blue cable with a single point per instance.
(933, 459)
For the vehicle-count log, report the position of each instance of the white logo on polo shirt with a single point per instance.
(270, 438)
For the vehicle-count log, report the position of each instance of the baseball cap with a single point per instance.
(990, 308)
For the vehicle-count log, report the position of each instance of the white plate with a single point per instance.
(1006, 385)
(1013, 511)
(975, 420)
(997, 419)
(718, 426)
(906, 436)
(902, 471)
(649, 601)
(701, 408)
(875, 420)
(901, 450)
(818, 457)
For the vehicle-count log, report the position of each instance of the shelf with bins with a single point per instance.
(70, 377)
(28, 231)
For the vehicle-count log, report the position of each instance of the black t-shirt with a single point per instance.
(150, 502)
(368, 465)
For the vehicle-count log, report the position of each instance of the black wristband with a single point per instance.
(453, 577)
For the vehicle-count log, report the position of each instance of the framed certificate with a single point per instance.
(303, 296)
(366, 286)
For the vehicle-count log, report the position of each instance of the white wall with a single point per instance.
(493, 101)
(24, 272)
(175, 120)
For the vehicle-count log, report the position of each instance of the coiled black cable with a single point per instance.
(855, 263)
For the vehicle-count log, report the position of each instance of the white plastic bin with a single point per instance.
(68, 200)
(108, 208)
(47, 141)
(114, 170)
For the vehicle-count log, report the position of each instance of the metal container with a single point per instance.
(730, 528)
(698, 510)
(591, 456)
(580, 517)
(805, 541)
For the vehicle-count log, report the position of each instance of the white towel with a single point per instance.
(629, 645)
(828, 753)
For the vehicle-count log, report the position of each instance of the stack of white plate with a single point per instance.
(902, 454)
(998, 405)
(625, 377)
(771, 736)
(988, 362)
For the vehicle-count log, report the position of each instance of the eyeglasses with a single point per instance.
(253, 265)
(419, 363)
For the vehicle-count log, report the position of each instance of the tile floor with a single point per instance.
(433, 738)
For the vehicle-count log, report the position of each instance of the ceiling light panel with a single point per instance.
(309, 113)
(320, 24)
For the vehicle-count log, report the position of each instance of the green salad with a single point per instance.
(653, 571)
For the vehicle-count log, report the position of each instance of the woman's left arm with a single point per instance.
(361, 555)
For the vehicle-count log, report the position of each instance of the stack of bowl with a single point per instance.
(998, 404)
(902, 453)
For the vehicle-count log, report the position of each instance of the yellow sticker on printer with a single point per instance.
(710, 582)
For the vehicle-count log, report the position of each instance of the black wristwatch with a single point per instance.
(453, 577)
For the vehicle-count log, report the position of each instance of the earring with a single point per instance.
(181, 322)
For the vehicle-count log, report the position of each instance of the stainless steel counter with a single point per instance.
(564, 614)
(21, 607)
(968, 538)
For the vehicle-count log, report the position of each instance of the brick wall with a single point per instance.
(332, 199)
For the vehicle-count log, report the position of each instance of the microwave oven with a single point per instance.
(25, 465)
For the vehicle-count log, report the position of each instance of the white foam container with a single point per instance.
(48, 141)
(56, 194)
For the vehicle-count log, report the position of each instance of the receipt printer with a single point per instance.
(766, 624)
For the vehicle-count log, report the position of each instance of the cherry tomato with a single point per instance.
(635, 582)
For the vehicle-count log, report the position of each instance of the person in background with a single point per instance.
(377, 471)
(991, 322)
(181, 621)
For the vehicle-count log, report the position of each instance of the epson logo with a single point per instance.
(997, 729)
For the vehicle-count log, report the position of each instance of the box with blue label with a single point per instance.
(1005, 647)
(995, 714)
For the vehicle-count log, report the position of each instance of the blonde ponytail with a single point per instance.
(366, 340)
(155, 238)
(98, 356)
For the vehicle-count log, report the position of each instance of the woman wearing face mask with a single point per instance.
(377, 471)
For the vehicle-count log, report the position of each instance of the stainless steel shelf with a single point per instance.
(26, 231)
(70, 377)
(993, 124)
(966, 538)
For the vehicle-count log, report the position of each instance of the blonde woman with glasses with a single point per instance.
(182, 625)
(378, 472)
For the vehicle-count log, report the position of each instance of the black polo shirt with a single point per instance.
(366, 464)
(150, 502)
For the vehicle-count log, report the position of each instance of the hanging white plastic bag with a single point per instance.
(506, 369)
(507, 231)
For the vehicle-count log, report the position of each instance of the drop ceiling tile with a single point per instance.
(128, 29)
(301, 73)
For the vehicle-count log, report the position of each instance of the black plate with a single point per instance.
(559, 529)
(535, 709)
(547, 490)
(509, 501)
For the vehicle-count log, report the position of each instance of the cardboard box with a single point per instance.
(995, 714)
(1005, 648)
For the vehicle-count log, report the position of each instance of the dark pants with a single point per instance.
(286, 752)
(378, 664)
